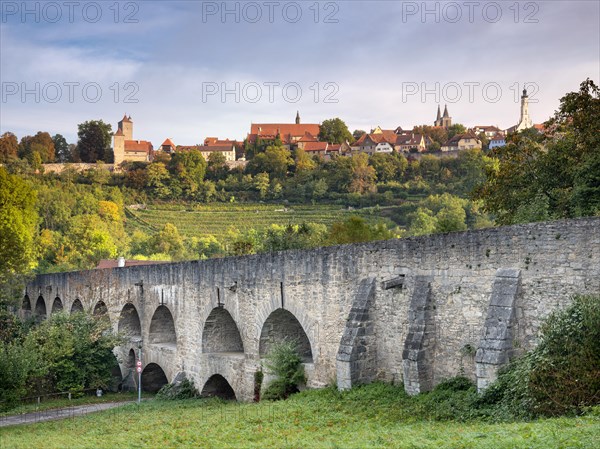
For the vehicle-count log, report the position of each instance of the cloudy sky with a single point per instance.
(192, 69)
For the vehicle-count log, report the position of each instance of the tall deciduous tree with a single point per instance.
(18, 222)
(335, 131)
(41, 143)
(61, 149)
(94, 141)
(8, 147)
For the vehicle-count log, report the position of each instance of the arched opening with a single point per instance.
(282, 325)
(100, 309)
(129, 322)
(153, 378)
(220, 333)
(130, 376)
(40, 309)
(76, 306)
(26, 307)
(217, 386)
(117, 376)
(162, 327)
(57, 305)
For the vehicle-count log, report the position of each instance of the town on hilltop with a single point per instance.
(306, 136)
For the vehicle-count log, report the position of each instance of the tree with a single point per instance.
(41, 143)
(18, 221)
(363, 175)
(355, 230)
(9, 147)
(168, 241)
(388, 167)
(94, 142)
(335, 131)
(455, 129)
(217, 166)
(551, 176)
(358, 133)
(61, 149)
(436, 133)
(189, 168)
(274, 161)
(303, 161)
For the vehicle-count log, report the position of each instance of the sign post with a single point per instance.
(139, 370)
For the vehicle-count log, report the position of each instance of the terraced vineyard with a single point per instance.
(201, 220)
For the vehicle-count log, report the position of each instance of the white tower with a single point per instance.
(525, 121)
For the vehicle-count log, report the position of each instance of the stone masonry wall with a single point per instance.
(319, 287)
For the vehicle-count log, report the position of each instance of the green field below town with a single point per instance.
(369, 417)
(198, 220)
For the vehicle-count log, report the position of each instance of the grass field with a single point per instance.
(374, 416)
(214, 219)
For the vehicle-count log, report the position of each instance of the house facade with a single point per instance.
(467, 141)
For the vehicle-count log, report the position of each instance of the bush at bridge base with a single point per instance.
(284, 362)
(562, 374)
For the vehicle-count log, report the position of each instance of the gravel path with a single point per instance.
(61, 413)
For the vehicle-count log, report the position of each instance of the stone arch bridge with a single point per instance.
(414, 310)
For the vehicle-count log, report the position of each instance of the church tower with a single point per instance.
(297, 117)
(525, 121)
(445, 120)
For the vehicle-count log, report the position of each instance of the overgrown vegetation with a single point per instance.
(562, 374)
(178, 391)
(63, 353)
(284, 362)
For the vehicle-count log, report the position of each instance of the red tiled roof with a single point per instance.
(308, 137)
(287, 132)
(315, 146)
(138, 145)
(498, 136)
(169, 143)
(540, 127)
(126, 119)
(114, 263)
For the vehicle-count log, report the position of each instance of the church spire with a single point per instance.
(439, 114)
(446, 111)
(297, 117)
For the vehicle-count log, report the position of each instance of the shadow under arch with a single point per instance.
(26, 307)
(162, 327)
(77, 306)
(57, 305)
(40, 309)
(282, 325)
(129, 322)
(217, 386)
(100, 309)
(153, 378)
(220, 333)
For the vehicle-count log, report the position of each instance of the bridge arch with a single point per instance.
(218, 386)
(40, 309)
(283, 325)
(57, 306)
(100, 309)
(221, 333)
(153, 378)
(77, 306)
(129, 322)
(162, 327)
(26, 307)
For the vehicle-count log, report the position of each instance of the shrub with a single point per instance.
(285, 363)
(176, 391)
(562, 374)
